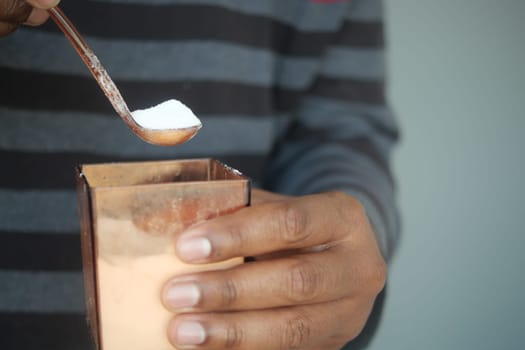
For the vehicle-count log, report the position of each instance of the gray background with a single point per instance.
(457, 84)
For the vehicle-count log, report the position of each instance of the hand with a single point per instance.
(316, 273)
(16, 12)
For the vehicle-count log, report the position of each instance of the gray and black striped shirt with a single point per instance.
(290, 92)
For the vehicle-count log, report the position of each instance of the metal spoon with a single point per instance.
(161, 137)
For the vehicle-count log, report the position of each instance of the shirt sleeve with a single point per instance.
(343, 132)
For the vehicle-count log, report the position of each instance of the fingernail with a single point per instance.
(182, 295)
(190, 333)
(194, 248)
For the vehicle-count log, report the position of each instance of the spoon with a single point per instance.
(161, 137)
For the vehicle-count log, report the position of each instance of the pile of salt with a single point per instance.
(171, 114)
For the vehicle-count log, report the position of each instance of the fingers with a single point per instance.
(296, 280)
(309, 278)
(298, 327)
(6, 28)
(39, 14)
(16, 12)
(274, 226)
(37, 17)
(314, 289)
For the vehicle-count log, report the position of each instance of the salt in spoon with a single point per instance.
(157, 136)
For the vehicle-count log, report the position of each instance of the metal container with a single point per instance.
(131, 214)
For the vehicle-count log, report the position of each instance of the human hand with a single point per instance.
(312, 285)
(16, 12)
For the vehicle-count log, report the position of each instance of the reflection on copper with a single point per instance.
(131, 214)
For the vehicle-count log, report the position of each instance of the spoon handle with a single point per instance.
(93, 64)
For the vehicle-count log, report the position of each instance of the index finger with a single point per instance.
(14, 11)
(288, 224)
(39, 14)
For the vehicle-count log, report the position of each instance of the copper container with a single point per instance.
(130, 216)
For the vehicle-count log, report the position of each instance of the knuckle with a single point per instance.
(237, 240)
(229, 293)
(7, 8)
(234, 336)
(379, 274)
(303, 282)
(292, 224)
(345, 207)
(375, 275)
(339, 197)
(296, 333)
(344, 200)
(6, 28)
(14, 11)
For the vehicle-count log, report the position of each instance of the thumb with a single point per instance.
(43, 4)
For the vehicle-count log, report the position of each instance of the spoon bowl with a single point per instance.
(161, 137)
(166, 137)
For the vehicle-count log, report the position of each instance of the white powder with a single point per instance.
(171, 114)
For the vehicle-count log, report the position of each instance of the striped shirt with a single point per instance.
(289, 92)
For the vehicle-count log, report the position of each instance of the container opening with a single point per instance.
(157, 172)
